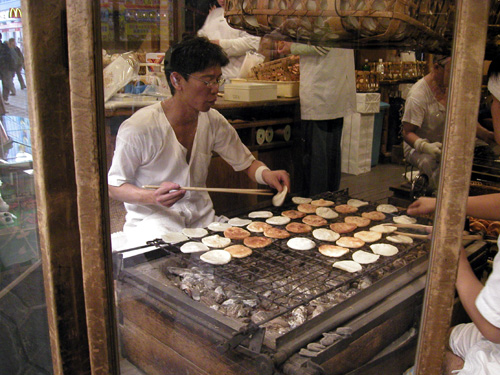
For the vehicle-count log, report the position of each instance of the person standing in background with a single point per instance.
(18, 62)
(6, 69)
(235, 43)
(327, 95)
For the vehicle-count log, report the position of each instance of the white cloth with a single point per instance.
(423, 110)
(233, 41)
(327, 85)
(481, 356)
(494, 86)
(147, 153)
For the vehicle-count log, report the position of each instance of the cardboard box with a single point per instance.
(368, 102)
(357, 137)
(286, 89)
(250, 91)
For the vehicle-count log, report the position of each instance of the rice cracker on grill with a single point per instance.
(293, 214)
(258, 226)
(345, 209)
(239, 251)
(350, 242)
(343, 227)
(348, 265)
(368, 235)
(298, 228)
(358, 220)
(322, 203)
(364, 257)
(324, 234)
(236, 233)
(333, 251)
(326, 212)
(374, 215)
(257, 242)
(306, 208)
(314, 220)
(276, 233)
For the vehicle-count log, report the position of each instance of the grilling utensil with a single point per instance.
(422, 227)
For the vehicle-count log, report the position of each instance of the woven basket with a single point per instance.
(285, 69)
(412, 24)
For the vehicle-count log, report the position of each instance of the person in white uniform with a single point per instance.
(234, 42)
(475, 347)
(327, 95)
(494, 89)
(170, 144)
(424, 121)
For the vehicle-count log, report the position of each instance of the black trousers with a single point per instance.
(322, 155)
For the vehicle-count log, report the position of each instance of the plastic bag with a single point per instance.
(252, 59)
(120, 72)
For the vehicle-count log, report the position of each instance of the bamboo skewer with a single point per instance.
(219, 190)
(426, 236)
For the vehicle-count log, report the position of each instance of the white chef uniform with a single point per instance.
(148, 153)
(233, 41)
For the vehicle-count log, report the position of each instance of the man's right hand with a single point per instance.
(168, 193)
(433, 149)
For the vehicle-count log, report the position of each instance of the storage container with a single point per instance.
(357, 138)
(368, 102)
(250, 91)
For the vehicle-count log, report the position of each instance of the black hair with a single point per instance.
(193, 54)
(494, 68)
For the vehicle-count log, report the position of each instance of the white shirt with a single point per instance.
(488, 300)
(327, 83)
(233, 41)
(494, 86)
(423, 110)
(147, 153)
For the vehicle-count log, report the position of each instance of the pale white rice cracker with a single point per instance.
(217, 226)
(194, 247)
(384, 249)
(278, 220)
(368, 235)
(216, 257)
(364, 257)
(279, 198)
(326, 213)
(194, 232)
(323, 234)
(404, 219)
(260, 214)
(216, 241)
(383, 228)
(348, 265)
(301, 243)
(333, 251)
(357, 203)
(399, 238)
(300, 200)
(238, 222)
(174, 237)
(387, 208)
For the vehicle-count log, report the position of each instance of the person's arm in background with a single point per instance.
(495, 114)
(239, 46)
(485, 134)
(287, 48)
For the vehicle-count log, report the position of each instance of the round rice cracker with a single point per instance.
(364, 257)
(301, 243)
(273, 232)
(343, 227)
(399, 238)
(384, 249)
(333, 251)
(258, 226)
(356, 203)
(383, 228)
(358, 220)
(306, 208)
(298, 228)
(194, 232)
(368, 235)
(374, 215)
(293, 214)
(348, 265)
(193, 247)
(326, 213)
(387, 208)
(216, 257)
(324, 234)
(278, 220)
(345, 209)
(255, 242)
(239, 251)
(322, 203)
(236, 233)
(174, 237)
(238, 222)
(314, 220)
(217, 226)
(301, 200)
(216, 241)
(404, 219)
(260, 214)
(350, 242)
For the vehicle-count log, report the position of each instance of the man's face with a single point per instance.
(197, 93)
(222, 3)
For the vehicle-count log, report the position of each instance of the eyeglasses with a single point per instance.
(210, 84)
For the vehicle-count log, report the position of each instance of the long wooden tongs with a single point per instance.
(426, 236)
